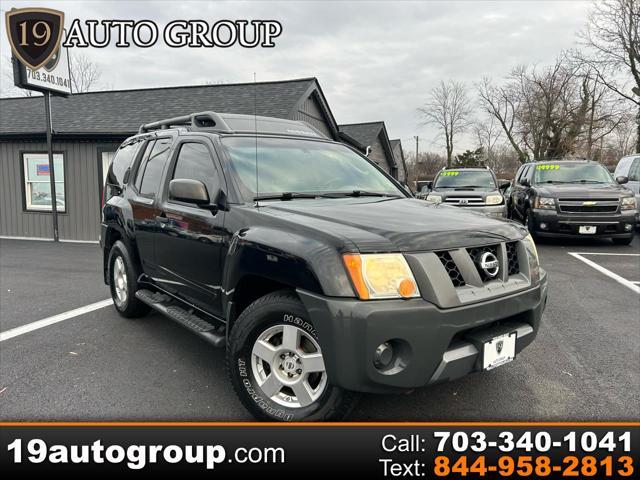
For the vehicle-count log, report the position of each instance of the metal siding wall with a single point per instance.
(310, 112)
(377, 154)
(82, 221)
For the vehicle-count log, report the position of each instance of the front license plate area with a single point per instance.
(499, 350)
(587, 229)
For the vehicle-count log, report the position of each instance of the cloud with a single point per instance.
(374, 60)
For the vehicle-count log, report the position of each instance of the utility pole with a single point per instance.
(417, 174)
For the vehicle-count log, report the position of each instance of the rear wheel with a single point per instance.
(528, 222)
(276, 365)
(123, 282)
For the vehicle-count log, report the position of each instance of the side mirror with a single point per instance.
(505, 185)
(430, 185)
(189, 191)
(622, 179)
(525, 182)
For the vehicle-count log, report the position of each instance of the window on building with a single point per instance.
(37, 186)
(195, 163)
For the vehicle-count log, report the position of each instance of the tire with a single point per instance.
(264, 323)
(123, 282)
(622, 241)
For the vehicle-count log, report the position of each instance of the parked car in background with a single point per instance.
(629, 167)
(474, 188)
(576, 198)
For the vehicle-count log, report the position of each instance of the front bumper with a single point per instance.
(567, 225)
(495, 211)
(438, 344)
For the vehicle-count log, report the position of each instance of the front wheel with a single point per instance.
(276, 364)
(622, 241)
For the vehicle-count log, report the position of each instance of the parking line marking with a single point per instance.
(610, 254)
(608, 273)
(45, 322)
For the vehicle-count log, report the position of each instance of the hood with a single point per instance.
(589, 190)
(404, 225)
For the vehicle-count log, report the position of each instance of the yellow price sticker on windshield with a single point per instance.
(450, 174)
(547, 167)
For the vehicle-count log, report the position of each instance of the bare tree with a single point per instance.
(84, 73)
(487, 132)
(449, 108)
(502, 103)
(612, 37)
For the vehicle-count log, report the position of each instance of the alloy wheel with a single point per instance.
(288, 366)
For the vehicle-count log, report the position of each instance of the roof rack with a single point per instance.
(195, 120)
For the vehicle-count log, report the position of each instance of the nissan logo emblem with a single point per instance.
(489, 264)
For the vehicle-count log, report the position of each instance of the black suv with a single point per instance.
(316, 269)
(573, 198)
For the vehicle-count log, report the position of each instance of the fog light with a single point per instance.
(383, 356)
(543, 226)
(628, 227)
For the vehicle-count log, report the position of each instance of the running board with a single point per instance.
(165, 305)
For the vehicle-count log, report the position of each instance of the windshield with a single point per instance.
(465, 179)
(571, 173)
(302, 166)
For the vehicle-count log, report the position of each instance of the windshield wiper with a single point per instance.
(583, 181)
(285, 196)
(361, 193)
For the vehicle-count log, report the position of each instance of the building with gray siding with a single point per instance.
(89, 127)
(398, 155)
(371, 138)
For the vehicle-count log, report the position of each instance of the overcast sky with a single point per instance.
(374, 60)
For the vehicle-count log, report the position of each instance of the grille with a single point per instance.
(588, 205)
(588, 209)
(512, 258)
(465, 201)
(475, 253)
(451, 268)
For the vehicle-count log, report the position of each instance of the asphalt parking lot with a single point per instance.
(584, 365)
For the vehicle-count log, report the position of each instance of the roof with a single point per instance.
(364, 134)
(123, 111)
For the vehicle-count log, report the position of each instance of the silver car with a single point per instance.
(629, 167)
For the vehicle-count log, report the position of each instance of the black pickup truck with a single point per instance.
(573, 198)
(316, 270)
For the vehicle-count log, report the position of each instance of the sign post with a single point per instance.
(40, 63)
(52, 170)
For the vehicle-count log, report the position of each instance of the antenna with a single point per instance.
(255, 124)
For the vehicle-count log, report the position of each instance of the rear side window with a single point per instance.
(121, 162)
(151, 169)
(634, 171)
(195, 163)
(523, 174)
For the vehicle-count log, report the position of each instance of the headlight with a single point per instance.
(532, 255)
(494, 199)
(628, 203)
(433, 198)
(381, 276)
(544, 203)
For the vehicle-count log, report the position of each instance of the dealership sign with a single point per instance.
(39, 61)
